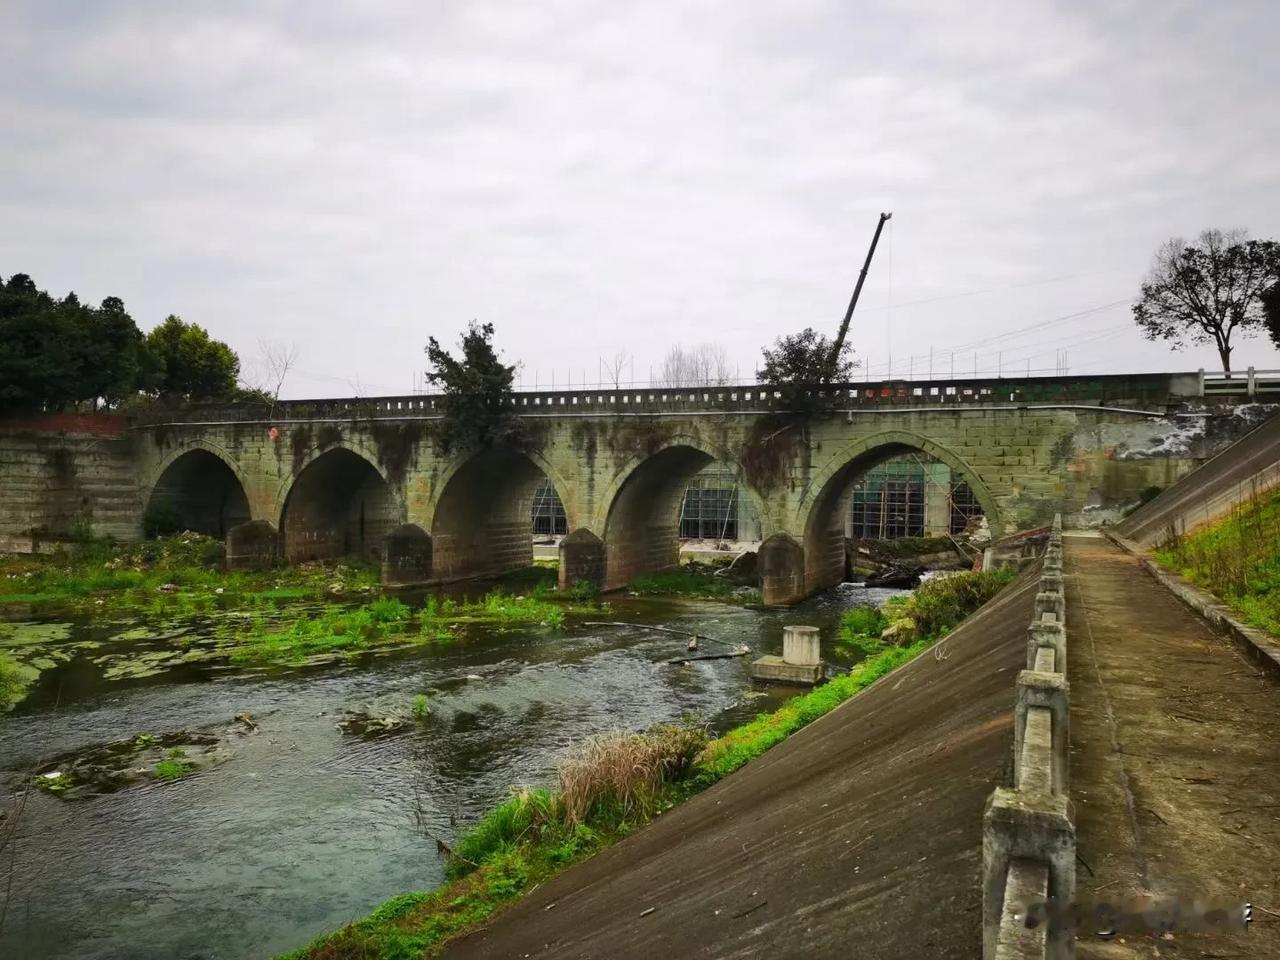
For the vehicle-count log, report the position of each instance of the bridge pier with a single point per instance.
(406, 555)
(252, 546)
(581, 559)
(782, 581)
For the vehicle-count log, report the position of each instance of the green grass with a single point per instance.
(934, 608)
(173, 769)
(532, 835)
(687, 583)
(384, 622)
(129, 577)
(860, 629)
(1237, 559)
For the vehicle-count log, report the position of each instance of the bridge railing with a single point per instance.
(1141, 389)
(1250, 383)
(1028, 838)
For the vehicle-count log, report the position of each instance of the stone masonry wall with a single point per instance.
(61, 485)
(616, 472)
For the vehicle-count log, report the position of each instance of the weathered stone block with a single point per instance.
(778, 670)
(582, 559)
(782, 581)
(252, 546)
(406, 555)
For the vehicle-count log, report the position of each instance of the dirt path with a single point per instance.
(860, 836)
(1175, 757)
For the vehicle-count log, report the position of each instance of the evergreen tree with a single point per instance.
(477, 392)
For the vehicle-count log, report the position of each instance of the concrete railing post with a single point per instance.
(1050, 603)
(1019, 827)
(1048, 690)
(1028, 838)
(1047, 633)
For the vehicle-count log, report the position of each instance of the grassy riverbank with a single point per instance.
(179, 574)
(929, 612)
(607, 789)
(1238, 560)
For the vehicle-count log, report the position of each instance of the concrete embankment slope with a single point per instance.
(859, 836)
(1250, 465)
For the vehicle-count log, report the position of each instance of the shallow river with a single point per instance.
(305, 828)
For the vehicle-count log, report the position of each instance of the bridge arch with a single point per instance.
(340, 501)
(824, 501)
(639, 512)
(482, 521)
(197, 487)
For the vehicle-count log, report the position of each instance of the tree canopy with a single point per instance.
(56, 354)
(190, 365)
(1208, 291)
(476, 392)
(799, 362)
(1271, 311)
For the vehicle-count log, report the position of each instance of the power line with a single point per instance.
(1013, 286)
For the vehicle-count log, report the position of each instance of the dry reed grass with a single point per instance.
(623, 773)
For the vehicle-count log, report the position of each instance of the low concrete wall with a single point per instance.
(1028, 835)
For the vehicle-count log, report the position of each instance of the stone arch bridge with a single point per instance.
(313, 479)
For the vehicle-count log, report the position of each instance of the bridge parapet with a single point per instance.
(1149, 391)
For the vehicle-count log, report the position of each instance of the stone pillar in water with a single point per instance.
(800, 646)
(781, 560)
(581, 559)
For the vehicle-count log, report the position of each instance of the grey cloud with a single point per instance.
(591, 176)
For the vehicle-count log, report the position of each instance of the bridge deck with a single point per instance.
(1175, 757)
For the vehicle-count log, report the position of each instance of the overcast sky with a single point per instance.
(595, 177)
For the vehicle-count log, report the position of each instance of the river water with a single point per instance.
(305, 828)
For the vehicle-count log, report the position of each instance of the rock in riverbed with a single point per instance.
(143, 758)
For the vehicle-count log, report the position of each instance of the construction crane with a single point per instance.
(834, 362)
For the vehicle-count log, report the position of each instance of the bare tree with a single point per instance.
(705, 365)
(270, 369)
(279, 359)
(611, 370)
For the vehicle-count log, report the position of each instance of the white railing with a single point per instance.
(1250, 383)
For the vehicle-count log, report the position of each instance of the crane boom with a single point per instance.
(838, 347)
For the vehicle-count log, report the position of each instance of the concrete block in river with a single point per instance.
(777, 669)
(801, 646)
